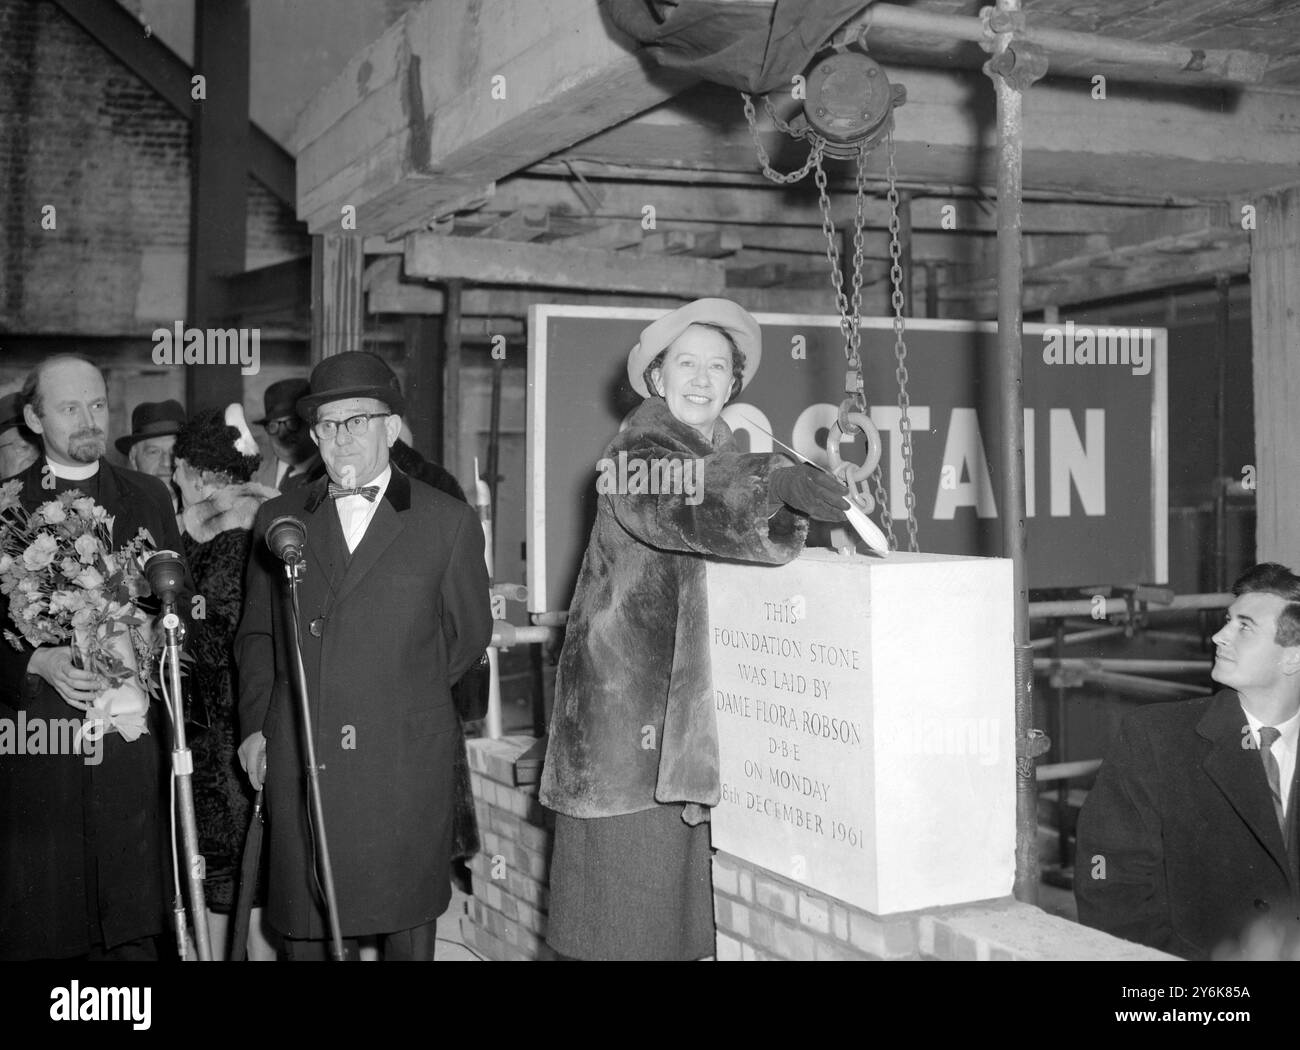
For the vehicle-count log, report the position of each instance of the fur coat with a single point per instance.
(634, 722)
(215, 543)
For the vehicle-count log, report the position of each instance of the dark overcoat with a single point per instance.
(1179, 846)
(59, 816)
(383, 632)
(634, 722)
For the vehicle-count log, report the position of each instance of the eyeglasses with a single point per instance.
(325, 429)
(288, 425)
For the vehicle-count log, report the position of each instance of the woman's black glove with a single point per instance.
(809, 490)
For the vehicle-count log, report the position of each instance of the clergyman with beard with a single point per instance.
(81, 845)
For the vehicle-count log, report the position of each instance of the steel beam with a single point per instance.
(121, 35)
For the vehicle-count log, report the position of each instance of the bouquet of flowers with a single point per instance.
(67, 585)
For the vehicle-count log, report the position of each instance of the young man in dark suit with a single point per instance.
(81, 844)
(1189, 835)
(394, 607)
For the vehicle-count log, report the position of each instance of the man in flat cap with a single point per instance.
(18, 447)
(148, 448)
(394, 608)
(296, 461)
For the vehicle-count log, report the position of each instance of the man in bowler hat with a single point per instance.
(296, 461)
(18, 447)
(394, 608)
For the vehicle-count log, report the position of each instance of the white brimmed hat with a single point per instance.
(660, 334)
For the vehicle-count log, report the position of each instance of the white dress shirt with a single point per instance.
(1284, 750)
(356, 512)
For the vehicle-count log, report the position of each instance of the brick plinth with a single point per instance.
(759, 914)
(506, 920)
(762, 916)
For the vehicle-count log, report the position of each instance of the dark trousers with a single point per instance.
(414, 945)
(143, 950)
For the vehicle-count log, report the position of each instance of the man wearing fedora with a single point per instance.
(18, 447)
(394, 608)
(296, 460)
(148, 448)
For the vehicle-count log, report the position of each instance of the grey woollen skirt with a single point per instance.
(636, 886)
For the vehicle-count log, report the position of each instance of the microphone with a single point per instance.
(165, 572)
(286, 536)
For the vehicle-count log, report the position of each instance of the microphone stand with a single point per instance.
(183, 770)
(293, 568)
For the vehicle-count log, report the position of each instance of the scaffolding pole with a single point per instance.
(1139, 59)
(1014, 66)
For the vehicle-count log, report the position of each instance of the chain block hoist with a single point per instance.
(848, 110)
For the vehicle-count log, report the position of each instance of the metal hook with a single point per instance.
(855, 475)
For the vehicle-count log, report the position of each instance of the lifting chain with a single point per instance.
(853, 415)
(900, 346)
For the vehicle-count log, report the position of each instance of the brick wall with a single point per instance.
(79, 131)
(760, 916)
(763, 916)
(506, 920)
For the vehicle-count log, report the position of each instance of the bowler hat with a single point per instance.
(11, 412)
(281, 399)
(152, 419)
(353, 373)
(658, 335)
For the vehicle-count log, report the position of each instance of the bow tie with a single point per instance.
(371, 492)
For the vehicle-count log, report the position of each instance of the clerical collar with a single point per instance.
(67, 473)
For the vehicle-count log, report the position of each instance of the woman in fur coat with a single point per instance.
(632, 762)
(215, 460)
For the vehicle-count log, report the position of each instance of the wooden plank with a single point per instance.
(527, 224)
(1275, 328)
(705, 244)
(1139, 142)
(1147, 233)
(793, 275)
(1099, 284)
(770, 207)
(336, 301)
(1152, 251)
(430, 109)
(432, 257)
(387, 293)
(608, 234)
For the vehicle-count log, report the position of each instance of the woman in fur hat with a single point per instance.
(215, 459)
(632, 763)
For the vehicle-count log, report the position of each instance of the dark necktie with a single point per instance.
(370, 492)
(1267, 735)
